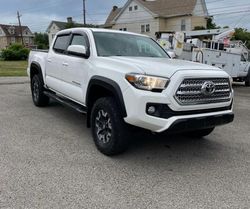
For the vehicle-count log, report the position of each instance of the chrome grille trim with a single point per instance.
(189, 91)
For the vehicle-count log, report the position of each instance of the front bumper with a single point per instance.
(190, 124)
(136, 104)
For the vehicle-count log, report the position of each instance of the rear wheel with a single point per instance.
(199, 133)
(109, 130)
(37, 89)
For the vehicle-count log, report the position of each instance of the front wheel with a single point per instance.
(109, 130)
(37, 89)
(199, 133)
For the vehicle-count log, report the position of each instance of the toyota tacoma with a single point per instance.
(122, 80)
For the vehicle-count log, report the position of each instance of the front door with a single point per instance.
(76, 70)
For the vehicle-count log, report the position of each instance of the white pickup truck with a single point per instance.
(123, 80)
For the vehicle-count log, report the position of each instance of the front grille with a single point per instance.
(190, 91)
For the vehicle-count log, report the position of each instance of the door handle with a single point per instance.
(49, 60)
(65, 64)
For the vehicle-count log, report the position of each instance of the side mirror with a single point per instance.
(78, 50)
(171, 54)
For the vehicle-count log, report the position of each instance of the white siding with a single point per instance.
(52, 32)
(199, 9)
(174, 24)
(132, 20)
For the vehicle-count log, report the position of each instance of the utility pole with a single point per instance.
(84, 12)
(20, 27)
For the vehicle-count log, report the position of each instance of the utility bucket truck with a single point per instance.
(217, 50)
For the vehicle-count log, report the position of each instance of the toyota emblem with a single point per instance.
(208, 88)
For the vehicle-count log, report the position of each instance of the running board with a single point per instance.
(66, 102)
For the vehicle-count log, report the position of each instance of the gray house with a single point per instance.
(11, 34)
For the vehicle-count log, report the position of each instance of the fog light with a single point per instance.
(151, 110)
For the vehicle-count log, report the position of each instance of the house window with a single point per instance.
(143, 28)
(147, 28)
(183, 25)
(123, 29)
(12, 40)
(12, 31)
(135, 7)
(27, 41)
(130, 9)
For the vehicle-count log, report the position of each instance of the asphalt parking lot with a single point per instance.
(48, 160)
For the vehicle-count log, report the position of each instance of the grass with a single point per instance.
(13, 68)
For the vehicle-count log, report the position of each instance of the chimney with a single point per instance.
(69, 19)
(115, 8)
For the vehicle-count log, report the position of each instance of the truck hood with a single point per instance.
(156, 66)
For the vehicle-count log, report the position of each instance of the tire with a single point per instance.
(110, 132)
(37, 89)
(199, 133)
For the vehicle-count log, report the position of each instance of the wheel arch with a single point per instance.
(100, 87)
(35, 69)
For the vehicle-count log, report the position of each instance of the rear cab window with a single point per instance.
(61, 43)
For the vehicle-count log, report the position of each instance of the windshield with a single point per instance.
(122, 44)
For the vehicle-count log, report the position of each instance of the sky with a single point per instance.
(37, 14)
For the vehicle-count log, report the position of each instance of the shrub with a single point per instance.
(15, 52)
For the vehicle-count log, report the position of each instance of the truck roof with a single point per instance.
(99, 30)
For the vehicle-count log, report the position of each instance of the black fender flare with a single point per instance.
(36, 65)
(109, 85)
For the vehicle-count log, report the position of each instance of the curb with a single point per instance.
(14, 80)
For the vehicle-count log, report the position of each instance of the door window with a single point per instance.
(61, 43)
(79, 40)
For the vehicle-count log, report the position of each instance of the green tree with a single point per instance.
(242, 35)
(199, 28)
(41, 40)
(211, 24)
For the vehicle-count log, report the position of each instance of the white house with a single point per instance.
(152, 16)
(56, 26)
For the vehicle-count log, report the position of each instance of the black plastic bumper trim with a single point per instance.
(183, 125)
(164, 111)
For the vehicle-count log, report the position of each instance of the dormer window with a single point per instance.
(135, 7)
(130, 9)
(12, 30)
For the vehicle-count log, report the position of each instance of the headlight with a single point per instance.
(149, 83)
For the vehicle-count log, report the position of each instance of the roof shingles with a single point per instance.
(16, 30)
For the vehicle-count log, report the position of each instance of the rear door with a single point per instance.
(56, 63)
